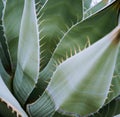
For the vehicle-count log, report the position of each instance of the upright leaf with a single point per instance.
(75, 86)
(12, 19)
(4, 53)
(27, 71)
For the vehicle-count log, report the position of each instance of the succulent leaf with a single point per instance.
(27, 70)
(58, 16)
(7, 100)
(6, 78)
(12, 9)
(87, 4)
(76, 39)
(73, 90)
(4, 53)
(100, 5)
(109, 110)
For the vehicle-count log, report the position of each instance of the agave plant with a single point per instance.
(59, 58)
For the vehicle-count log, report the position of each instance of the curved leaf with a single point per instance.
(96, 8)
(27, 71)
(75, 86)
(76, 39)
(109, 110)
(115, 86)
(7, 100)
(12, 10)
(87, 4)
(4, 54)
(55, 18)
(7, 79)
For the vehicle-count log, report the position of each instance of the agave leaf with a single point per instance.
(27, 71)
(12, 9)
(75, 86)
(115, 86)
(87, 4)
(4, 54)
(96, 8)
(76, 39)
(109, 110)
(7, 100)
(55, 18)
(7, 79)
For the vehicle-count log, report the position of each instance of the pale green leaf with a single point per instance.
(7, 100)
(87, 4)
(7, 79)
(27, 71)
(96, 8)
(75, 86)
(80, 90)
(115, 85)
(80, 36)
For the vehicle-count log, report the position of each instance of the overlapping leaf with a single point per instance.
(79, 90)
(4, 54)
(27, 70)
(9, 106)
(12, 19)
(55, 18)
(110, 110)
(76, 39)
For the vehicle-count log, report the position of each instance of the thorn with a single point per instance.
(42, 38)
(66, 55)
(71, 52)
(75, 52)
(37, 3)
(40, 16)
(42, 45)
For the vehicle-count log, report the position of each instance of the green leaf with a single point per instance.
(115, 86)
(109, 110)
(4, 53)
(75, 86)
(76, 39)
(27, 71)
(87, 4)
(8, 104)
(7, 79)
(11, 20)
(55, 18)
(96, 8)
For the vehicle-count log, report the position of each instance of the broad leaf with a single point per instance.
(27, 71)
(76, 39)
(75, 86)
(9, 106)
